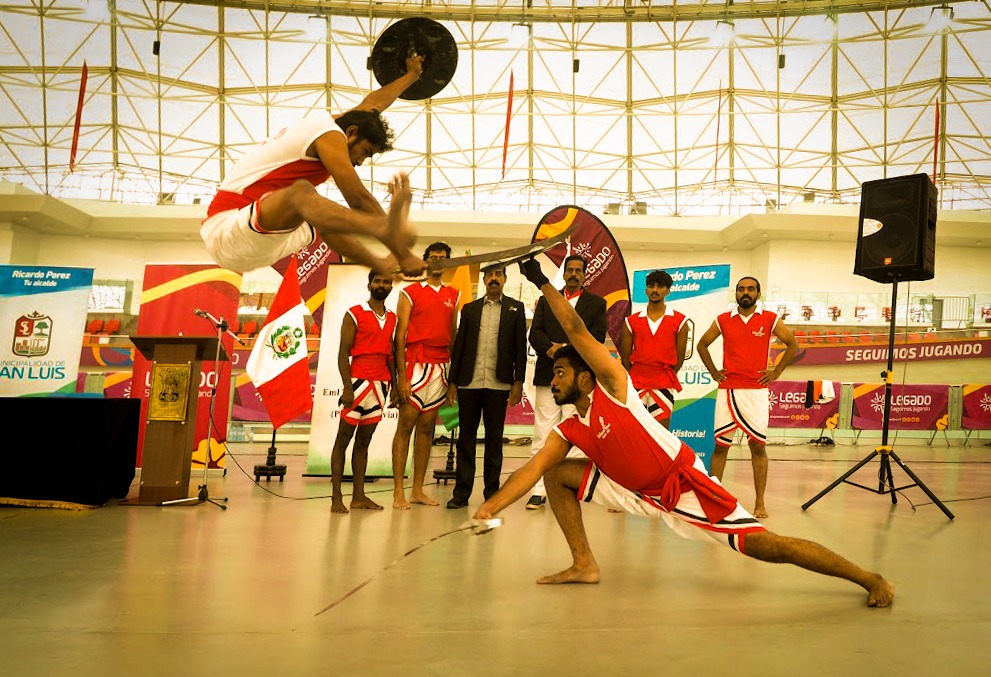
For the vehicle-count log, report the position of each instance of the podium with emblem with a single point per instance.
(170, 426)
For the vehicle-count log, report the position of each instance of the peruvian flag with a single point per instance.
(278, 365)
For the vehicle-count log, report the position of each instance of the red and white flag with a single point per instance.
(278, 365)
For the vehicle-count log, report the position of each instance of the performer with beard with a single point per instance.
(635, 464)
(368, 368)
(742, 402)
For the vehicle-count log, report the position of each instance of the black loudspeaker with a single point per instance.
(897, 235)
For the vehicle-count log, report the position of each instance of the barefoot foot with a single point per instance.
(400, 503)
(880, 593)
(399, 236)
(422, 499)
(364, 503)
(337, 506)
(573, 574)
(760, 511)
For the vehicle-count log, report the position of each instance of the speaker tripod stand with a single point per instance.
(886, 480)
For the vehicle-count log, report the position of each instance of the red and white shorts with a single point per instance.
(746, 409)
(370, 398)
(236, 241)
(687, 519)
(659, 402)
(429, 384)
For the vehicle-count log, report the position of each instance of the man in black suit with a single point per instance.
(488, 361)
(546, 336)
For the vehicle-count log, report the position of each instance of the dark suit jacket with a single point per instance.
(546, 330)
(511, 350)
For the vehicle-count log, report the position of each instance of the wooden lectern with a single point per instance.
(171, 425)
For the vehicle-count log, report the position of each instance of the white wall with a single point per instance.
(828, 267)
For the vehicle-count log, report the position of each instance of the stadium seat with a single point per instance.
(111, 328)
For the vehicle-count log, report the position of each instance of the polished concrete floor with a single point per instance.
(199, 591)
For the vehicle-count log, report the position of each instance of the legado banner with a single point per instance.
(913, 407)
(788, 408)
(976, 407)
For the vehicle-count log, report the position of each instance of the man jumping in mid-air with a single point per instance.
(267, 207)
(636, 465)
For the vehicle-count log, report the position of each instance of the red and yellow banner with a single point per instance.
(169, 296)
(913, 407)
(605, 273)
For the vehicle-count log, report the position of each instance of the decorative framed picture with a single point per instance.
(169, 391)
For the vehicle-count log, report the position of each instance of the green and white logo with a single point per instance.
(286, 341)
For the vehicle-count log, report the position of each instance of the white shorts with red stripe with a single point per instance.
(370, 398)
(236, 242)
(429, 385)
(746, 409)
(686, 519)
(659, 402)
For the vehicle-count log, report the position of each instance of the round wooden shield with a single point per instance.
(416, 35)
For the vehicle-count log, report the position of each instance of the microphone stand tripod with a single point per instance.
(204, 495)
(886, 481)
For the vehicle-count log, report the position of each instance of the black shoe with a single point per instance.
(455, 504)
(536, 502)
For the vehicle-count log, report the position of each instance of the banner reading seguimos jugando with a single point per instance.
(42, 320)
(922, 349)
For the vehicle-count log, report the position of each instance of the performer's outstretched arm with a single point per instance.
(609, 372)
(518, 485)
(384, 97)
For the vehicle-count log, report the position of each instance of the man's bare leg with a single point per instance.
(718, 463)
(421, 456)
(758, 459)
(344, 434)
(359, 463)
(562, 482)
(288, 208)
(400, 451)
(769, 547)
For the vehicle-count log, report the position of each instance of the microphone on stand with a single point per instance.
(222, 324)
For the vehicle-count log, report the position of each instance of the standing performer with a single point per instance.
(488, 364)
(637, 465)
(743, 394)
(267, 207)
(546, 336)
(428, 317)
(365, 360)
(652, 348)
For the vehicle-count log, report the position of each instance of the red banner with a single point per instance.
(976, 407)
(913, 407)
(79, 117)
(521, 414)
(788, 408)
(169, 296)
(924, 350)
(606, 273)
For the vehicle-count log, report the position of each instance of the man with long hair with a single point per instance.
(267, 206)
